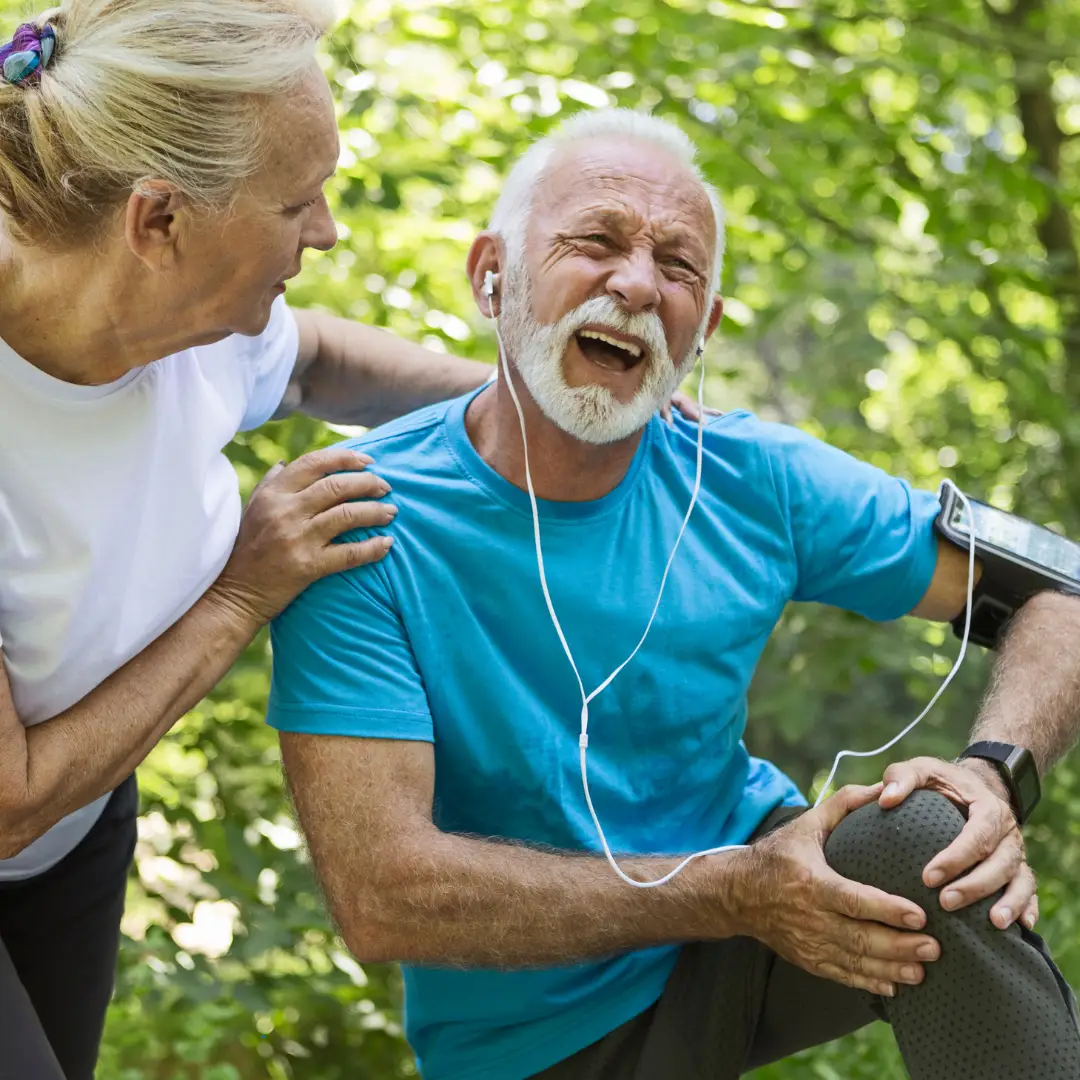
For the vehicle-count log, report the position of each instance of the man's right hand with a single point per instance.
(286, 536)
(785, 895)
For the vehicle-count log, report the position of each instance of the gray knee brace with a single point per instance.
(994, 1006)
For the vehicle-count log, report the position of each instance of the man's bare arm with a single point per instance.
(1034, 695)
(348, 373)
(401, 889)
(946, 596)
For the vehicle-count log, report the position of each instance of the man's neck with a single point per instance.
(564, 469)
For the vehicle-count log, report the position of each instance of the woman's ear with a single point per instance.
(151, 227)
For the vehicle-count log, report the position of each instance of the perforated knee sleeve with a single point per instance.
(994, 1006)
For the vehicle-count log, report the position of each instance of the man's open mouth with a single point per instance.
(610, 350)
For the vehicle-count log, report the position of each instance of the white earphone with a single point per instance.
(583, 739)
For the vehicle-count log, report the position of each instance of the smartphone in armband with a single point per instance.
(1019, 559)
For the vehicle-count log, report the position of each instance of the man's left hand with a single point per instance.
(688, 406)
(989, 852)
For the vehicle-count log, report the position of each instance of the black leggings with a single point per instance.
(59, 937)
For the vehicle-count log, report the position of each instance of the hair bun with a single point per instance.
(28, 53)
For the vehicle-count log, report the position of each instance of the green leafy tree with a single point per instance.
(903, 279)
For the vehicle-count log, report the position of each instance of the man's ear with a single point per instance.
(151, 225)
(485, 257)
(715, 316)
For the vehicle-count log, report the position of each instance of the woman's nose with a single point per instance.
(321, 233)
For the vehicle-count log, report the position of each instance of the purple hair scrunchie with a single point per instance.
(27, 55)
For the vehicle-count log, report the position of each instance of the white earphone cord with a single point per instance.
(583, 739)
(948, 678)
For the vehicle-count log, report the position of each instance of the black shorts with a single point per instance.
(59, 938)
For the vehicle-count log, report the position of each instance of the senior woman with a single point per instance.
(162, 166)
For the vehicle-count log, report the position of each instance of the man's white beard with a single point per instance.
(591, 413)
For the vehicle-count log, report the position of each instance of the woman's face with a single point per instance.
(234, 265)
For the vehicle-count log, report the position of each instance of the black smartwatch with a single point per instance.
(1017, 769)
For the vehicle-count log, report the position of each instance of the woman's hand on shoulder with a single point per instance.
(688, 406)
(286, 538)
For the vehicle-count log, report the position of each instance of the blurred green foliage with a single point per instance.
(902, 279)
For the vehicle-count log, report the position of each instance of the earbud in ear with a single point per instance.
(490, 280)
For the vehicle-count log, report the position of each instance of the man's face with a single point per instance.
(237, 262)
(604, 309)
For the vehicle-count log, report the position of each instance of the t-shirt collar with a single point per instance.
(13, 366)
(517, 499)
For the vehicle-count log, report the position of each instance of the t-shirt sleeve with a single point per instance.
(343, 664)
(863, 540)
(267, 362)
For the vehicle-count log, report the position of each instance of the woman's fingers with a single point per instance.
(309, 468)
(341, 487)
(689, 408)
(340, 557)
(344, 517)
(286, 535)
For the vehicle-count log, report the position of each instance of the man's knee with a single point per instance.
(889, 849)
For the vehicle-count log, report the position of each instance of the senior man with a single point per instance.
(430, 717)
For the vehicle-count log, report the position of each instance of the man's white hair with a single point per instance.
(511, 215)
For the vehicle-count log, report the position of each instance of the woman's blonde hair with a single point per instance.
(140, 90)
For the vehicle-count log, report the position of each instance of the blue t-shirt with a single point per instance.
(449, 641)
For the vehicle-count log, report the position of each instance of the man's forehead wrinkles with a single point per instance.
(624, 187)
(623, 199)
(666, 226)
(570, 174)
(608, 212)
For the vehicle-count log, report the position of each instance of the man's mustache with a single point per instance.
(603, 310)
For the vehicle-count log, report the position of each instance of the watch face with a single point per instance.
(1027, 785)
(1025, 777)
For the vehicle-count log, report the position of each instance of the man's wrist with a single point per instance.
(989, 775)
(720, 906)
